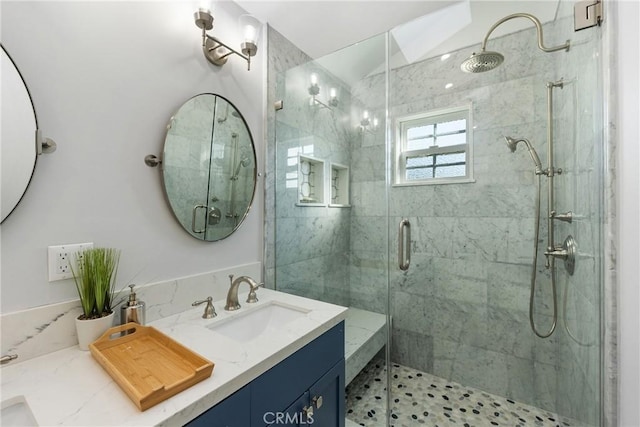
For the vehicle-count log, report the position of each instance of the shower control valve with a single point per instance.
(566, 252)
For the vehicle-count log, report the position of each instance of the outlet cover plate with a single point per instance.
(60, 257)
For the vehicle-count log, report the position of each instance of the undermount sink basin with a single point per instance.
(248, 326)
(16, 412)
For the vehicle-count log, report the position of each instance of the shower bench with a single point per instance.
(365, 336)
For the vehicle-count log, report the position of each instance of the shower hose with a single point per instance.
(533, 275)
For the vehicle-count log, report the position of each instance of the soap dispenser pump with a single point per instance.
(132, 310)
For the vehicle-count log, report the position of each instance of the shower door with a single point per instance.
(461, 311)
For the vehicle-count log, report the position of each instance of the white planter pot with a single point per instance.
(90, 330)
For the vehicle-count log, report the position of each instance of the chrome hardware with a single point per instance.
(8, 358)
(404, 245)
(317, 402)
(566, 252)
(209, 310)
(566, 217)
(214, 216)
(587, 14)
(152, 160)
(232, 296)
(308, 411)
(44, 145)
(278, 105)
(193, 218)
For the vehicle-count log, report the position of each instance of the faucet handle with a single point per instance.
(252, 297)
(209, 310)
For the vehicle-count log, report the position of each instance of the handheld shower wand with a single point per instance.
(512, 143)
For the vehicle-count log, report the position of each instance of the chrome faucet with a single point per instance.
(232, 295)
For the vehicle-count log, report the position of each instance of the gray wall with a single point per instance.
(105, 78)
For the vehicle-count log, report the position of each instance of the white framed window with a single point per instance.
(435, 147)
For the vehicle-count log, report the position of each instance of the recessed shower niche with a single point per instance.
(339, 186)
(310, 181)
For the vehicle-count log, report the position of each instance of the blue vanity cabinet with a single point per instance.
(312, 368)
(321, 406)
(231, 412)
(311, 379)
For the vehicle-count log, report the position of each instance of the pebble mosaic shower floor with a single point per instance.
(419, 398)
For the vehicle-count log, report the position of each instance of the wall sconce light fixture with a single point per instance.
(333, 97)
(314, 91)
(218, 52)
(368, 124)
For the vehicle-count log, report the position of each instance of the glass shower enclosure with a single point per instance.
(391, 189)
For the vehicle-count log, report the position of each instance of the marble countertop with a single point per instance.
(69, 387)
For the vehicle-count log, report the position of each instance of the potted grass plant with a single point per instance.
(94, 272)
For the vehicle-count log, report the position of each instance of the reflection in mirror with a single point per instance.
(209, 167)
(18, 142)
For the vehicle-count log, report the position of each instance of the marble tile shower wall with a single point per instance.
(282, 55)
(461, 311)
(311, 243)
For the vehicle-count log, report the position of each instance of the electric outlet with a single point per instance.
(60, 259)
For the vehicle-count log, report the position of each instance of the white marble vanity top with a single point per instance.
(68, 387)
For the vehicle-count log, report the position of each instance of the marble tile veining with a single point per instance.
(42, 330)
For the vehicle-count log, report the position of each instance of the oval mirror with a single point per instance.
(18, 137)
(209, 167)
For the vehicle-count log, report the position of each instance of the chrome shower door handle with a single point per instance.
(193, 218)
(404, 244)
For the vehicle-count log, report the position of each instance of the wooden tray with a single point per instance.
(148, 365)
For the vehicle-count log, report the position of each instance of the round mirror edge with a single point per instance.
(255, 171)
(35, 141)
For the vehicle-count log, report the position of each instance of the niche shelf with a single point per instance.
(339, 184)
(310, 181)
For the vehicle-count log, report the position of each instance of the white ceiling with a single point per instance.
(321, 27)
(419, 29)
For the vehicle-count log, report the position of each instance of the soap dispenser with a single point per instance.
(132, 310)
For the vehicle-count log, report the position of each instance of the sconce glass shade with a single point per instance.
(313, 88)
(250, 27)
(204, 19)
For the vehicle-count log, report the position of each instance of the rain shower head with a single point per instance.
(487, 60)
(481, 62)
(512, 143)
